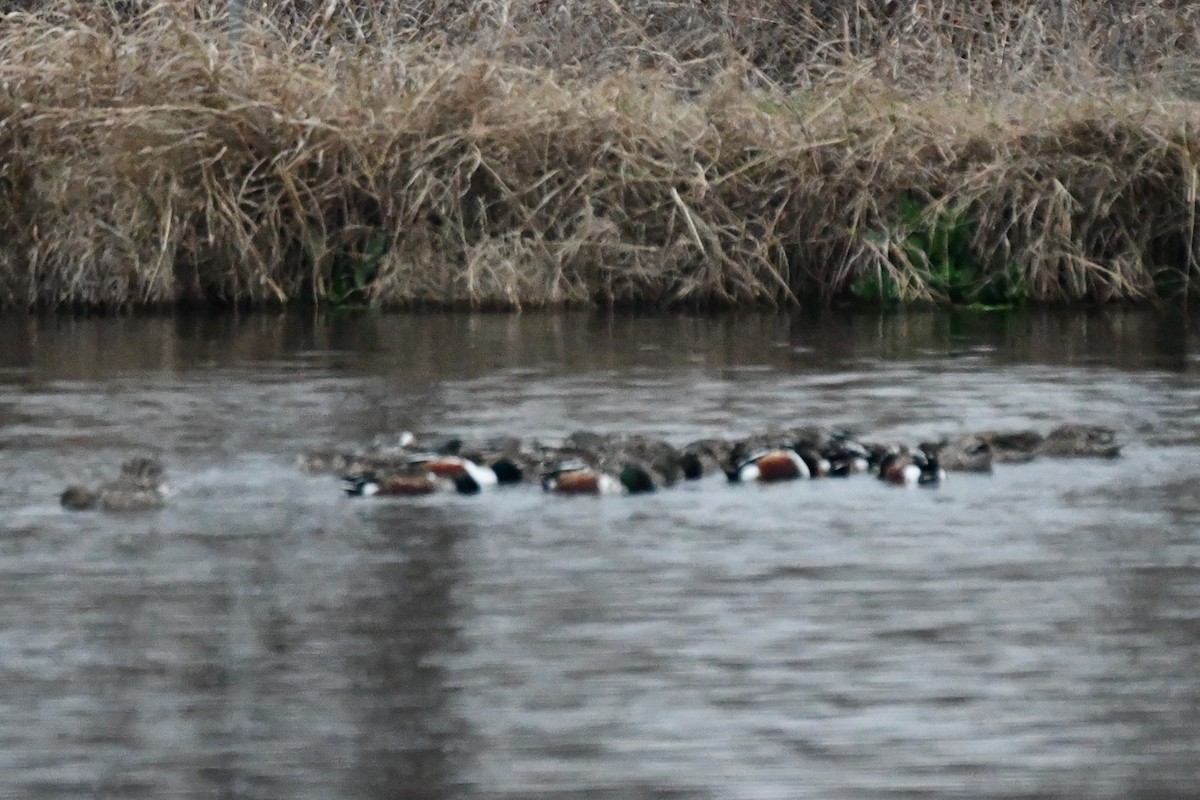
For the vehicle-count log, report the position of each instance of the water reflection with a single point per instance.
(1028, 634)
(400, 624)
(434, 346)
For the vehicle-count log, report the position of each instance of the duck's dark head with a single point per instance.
(450, 447)
(507, 472)
(737, 454)
(465, 484)
(931, 470)
(79, 498)
(737, 458)
(692, 466)
(636, 479)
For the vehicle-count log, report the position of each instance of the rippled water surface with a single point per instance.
(1035, 633)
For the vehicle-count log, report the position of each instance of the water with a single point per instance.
(1029, 634)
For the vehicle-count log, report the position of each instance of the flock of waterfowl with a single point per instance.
(593, 463)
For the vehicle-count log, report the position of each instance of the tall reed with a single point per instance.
(524, 154)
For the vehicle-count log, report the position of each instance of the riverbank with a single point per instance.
(169, 158)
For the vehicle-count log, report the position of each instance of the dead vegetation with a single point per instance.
(526, 154)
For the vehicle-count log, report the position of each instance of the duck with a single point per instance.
(818, 465)
(369, 484)
(576, 477)
(704, 456)
(911, 469)
(767, 466)
(427, 474)
(1012, 446)
(502, 471)
(386, 455)
(657, 456)
(1074, 440)
(967, 453)
(140, 486)
(691, 465)
(846, 458)
(474, 478)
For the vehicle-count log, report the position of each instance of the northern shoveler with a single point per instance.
(141, 486)
(503, 470)
(434, 473)
(579, 478)
(766, 466)
(384, 456)
(910, 469)
(818, 465)
(474, 477)
(846, 458)
(369, 484)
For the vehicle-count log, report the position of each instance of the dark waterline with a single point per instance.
(1028, 634)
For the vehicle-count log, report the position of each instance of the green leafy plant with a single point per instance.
(350, 275)
(940, 245)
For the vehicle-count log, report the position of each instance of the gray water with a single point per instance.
(1033, 633)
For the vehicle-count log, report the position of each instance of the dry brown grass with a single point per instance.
(521, 154)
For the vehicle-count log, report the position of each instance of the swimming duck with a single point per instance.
(1075, 440)
(910, 469)
(969, 453)
(691, 465)
(767, 466)
(660, 458)
(705, 456)
(578, 478)
(427, 474)
(818, 465)
(388, 455)
(369, 484)
(502, 471)
(141, 486)
(475, 477)
(846, 458)
(1012, 447)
